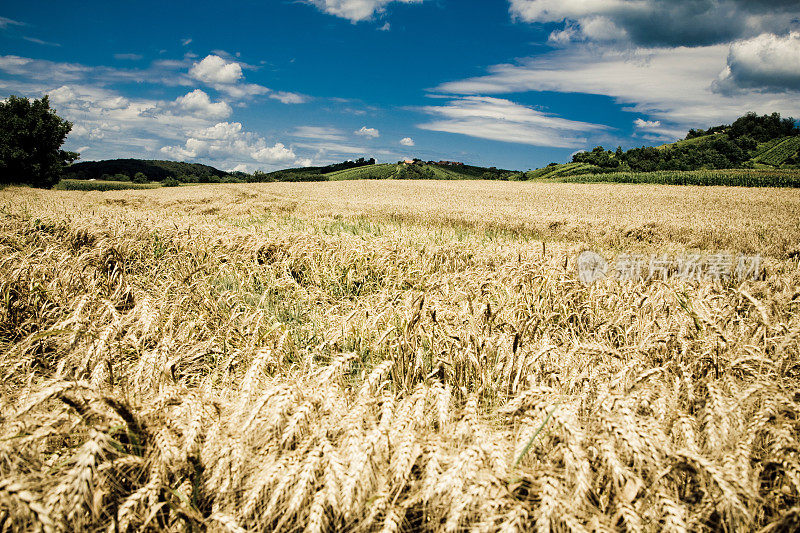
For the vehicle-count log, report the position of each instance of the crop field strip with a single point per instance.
(395, 357)
(727, 178)
(780, 152)
(368, 172)
(100, 185)
(558, 170)
(688, 142)
(766, 146)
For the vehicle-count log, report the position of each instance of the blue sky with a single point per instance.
(515, 84)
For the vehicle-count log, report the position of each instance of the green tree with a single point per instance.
(139, 177)
(31, 135)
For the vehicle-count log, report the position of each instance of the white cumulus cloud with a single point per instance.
(226, 76)
(228, 142)
(289, 98)
(213, 69)
(199, 103)
(273, 154)
(767, 62)
(368, 132)
(646, 124)
(118, 126)
(356, 10)
(407, 141)
(62, 95)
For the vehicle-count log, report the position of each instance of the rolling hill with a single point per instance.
(554, 170)
(778, 153)
(369, 172)
(750, 142)
(418, 170)
(768, 154)
(695, 142)
(349, 170)
(154, 170)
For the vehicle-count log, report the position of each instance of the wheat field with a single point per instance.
(391, 356)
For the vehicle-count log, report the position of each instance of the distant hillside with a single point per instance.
(126, 169)
(153, 169)
(779, 152)
(312, 173)
(774, 153)
(417, 170)
(694, 141)
(370, 172)
(752, 141)
(554, 170)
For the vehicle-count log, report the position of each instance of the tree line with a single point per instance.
(727, 146)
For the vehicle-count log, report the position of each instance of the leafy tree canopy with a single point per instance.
(759, 128)
(724, 146)
(153, 170)
(31, 135)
